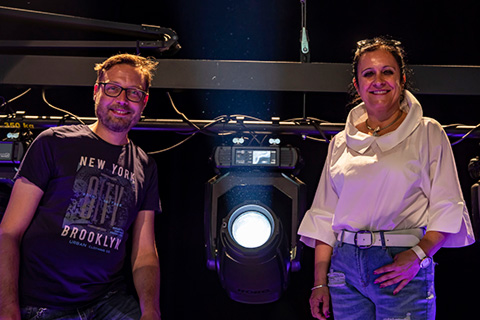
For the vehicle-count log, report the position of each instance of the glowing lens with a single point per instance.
(251, 229)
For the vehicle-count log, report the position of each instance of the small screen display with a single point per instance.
(257, 157)
(262, 157)
(6, 151)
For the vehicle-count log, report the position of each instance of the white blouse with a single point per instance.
(401, 180)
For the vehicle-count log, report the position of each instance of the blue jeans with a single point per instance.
(113, 306)
(355, 296)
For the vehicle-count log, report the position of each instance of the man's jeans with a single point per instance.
(355, 296)
(114, 306)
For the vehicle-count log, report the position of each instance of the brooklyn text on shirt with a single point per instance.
(80, 236)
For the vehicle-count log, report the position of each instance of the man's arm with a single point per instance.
(22, 205)
(146, 266)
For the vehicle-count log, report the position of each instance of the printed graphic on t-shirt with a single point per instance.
(98, 212)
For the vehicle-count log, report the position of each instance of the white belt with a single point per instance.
(395, 238)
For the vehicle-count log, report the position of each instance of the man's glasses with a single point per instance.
(114, 90)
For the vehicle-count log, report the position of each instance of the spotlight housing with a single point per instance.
(253, 262)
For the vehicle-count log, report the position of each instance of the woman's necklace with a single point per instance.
(378, 129)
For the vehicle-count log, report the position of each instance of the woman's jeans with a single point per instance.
(355, 296)
(114, 306)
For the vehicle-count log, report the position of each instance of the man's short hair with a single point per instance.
(146, 66)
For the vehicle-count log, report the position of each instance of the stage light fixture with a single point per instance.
(252, 211)
(12, 150)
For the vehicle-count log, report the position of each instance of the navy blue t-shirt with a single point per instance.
(74, 250)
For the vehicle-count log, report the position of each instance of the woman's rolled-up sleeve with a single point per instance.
(447, 211)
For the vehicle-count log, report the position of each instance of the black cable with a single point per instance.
(466, 135)
(59, 109)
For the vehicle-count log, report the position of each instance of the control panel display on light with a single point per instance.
(255, 157)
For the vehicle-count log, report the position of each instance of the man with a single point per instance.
(80, 193)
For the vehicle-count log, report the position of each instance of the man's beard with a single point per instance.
(116, 124)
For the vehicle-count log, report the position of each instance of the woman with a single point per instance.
(388, 199)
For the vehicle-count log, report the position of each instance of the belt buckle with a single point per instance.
(372, 237)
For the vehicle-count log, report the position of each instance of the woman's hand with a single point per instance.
(404, 268)
(406, 264)
(320, 303)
